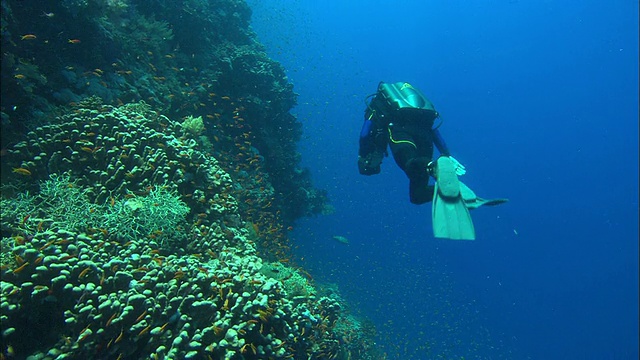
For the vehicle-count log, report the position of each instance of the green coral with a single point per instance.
(65, 203)
(193, 126)
(294, 283)
(62, 204)
(157, 214)
(13, 210)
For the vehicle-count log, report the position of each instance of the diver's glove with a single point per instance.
(370, 164)
(460, 169)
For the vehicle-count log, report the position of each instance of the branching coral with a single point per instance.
(160, 215)
(193, 126)
(62, 204)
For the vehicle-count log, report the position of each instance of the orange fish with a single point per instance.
(22, 171)
(28, 37)
(74, 41)
(19, 269)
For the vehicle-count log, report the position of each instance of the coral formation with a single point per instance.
(186, 58)
(193, 126)
(126, 234)
(90, 287)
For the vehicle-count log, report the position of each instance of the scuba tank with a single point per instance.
(393, 102)
(403, 101)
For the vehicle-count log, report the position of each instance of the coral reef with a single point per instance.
(149, 179)
(120, 239)
(195, 58)
(193, 126)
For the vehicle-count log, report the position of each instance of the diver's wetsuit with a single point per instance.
(412, 148)
(411, 138)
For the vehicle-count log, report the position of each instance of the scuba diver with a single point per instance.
(401, 117)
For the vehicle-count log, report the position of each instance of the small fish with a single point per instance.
(144, 331)
(341, 239)
(119, 338)
(19, 76)
(19, 269)
(22, 171)
(141, 317)
(110, 319)
(74, 41)
(28, 37)
(84, 273)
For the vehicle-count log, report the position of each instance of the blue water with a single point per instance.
(540, 102)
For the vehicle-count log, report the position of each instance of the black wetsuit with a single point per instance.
(411, 144)
(411, 139)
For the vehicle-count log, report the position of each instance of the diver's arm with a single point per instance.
(438, 140)
(371, 151)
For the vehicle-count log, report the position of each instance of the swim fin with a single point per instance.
(472, 201)
(450, 216)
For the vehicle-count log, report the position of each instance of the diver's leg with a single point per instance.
(420, 191)
(413, 162)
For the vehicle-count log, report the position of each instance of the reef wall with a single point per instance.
(149, 175)
(184, 58)
(130, 245)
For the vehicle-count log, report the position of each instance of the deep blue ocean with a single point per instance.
(540, 103)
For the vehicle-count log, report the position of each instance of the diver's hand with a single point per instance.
(370, 164)
(460, 169)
